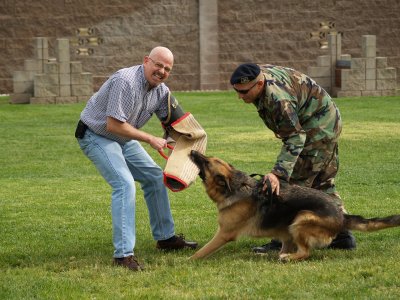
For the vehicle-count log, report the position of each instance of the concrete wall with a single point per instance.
(208, 37)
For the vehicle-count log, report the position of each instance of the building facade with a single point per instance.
(209, 38)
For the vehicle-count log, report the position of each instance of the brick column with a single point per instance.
(209, 49)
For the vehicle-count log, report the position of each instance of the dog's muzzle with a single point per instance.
(199, 161)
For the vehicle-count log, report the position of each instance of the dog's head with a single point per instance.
(222, 181)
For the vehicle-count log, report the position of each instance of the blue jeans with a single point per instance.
(121, 165)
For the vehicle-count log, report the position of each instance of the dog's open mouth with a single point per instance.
(200, 162)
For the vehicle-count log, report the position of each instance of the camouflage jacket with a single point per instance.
(299, 112)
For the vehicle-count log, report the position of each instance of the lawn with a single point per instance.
(55, 225)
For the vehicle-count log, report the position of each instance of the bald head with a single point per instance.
(162, 52)
(158, 65)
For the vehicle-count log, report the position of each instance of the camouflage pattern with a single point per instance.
(305, 118)
(317, 169)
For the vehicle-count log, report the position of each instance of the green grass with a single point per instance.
(55, 225)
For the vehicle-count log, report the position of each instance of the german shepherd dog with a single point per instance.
(301, 218)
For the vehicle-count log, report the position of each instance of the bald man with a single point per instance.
(109, 134)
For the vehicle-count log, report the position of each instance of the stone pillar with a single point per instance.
(368, 51)
(209, 45)
(335, 51)
(64, 72)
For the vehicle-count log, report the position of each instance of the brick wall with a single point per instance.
(278, 32)
(122, 32)
(128, 31)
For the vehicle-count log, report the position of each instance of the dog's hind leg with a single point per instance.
(219, 240)
(309, 231)
(287, 247)
(296, 249)
(303, 252)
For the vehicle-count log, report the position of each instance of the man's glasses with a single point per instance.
(160, 65)
(244, 92)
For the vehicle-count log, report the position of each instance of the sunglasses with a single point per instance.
(244, 92)
(160, 65)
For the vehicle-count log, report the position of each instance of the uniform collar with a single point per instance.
(259, 101)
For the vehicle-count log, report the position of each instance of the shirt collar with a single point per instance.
(144, 83)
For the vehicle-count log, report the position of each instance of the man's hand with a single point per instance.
(157, 143)
(274, 180)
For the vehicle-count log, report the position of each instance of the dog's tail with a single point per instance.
(359, 223)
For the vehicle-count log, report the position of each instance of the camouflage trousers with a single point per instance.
(317, 167)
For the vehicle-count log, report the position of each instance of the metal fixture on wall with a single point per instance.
(85, 41)
(325, 28)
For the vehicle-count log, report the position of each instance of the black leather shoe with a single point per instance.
(344, 240)
(274, 245)
(129, 262)
(176, 242)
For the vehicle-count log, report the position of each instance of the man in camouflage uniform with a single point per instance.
(305, 118)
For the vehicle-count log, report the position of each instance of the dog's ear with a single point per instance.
(221, 181)
(246, 182)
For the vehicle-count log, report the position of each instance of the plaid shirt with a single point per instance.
(126, 97)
